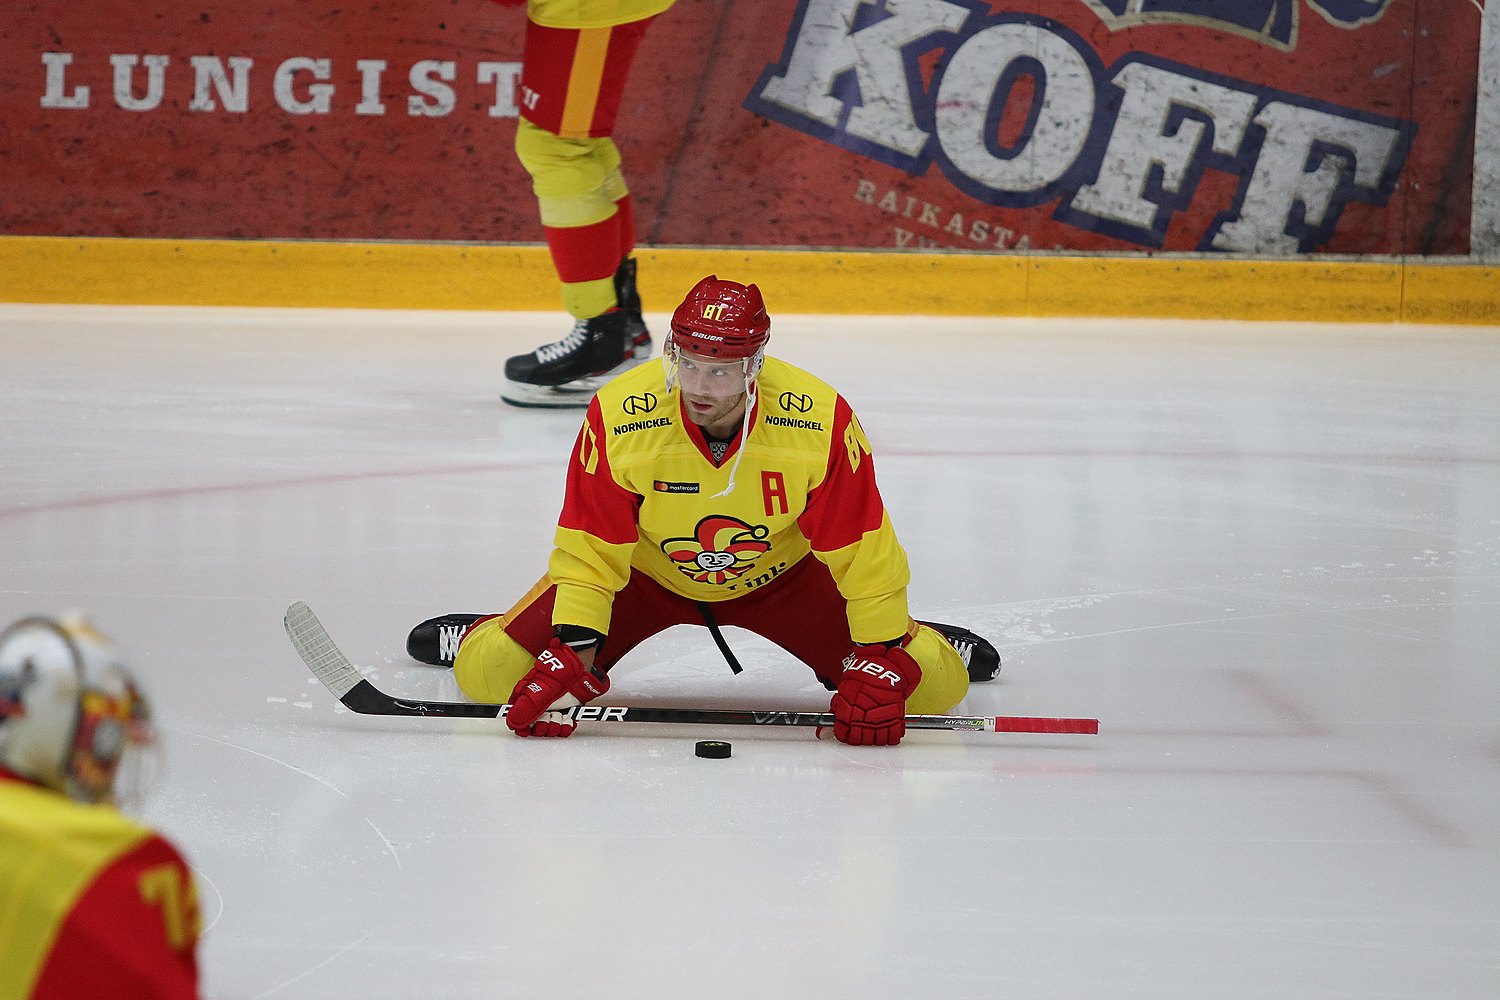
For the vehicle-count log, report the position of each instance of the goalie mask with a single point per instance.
(71, 713)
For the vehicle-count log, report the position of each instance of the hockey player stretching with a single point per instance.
(721, 488)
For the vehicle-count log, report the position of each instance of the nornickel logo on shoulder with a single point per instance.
(640, 425)
(801, 402)
(637, 405)
(801, 425)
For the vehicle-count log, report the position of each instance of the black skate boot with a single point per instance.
(629, 301)
(436, 640)
(982, 659)
(568, 373)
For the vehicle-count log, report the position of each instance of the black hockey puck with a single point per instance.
(712, 749)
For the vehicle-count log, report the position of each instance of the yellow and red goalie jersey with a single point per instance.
(643, 489)
(92, 904)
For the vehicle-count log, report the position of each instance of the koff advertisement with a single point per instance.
(1247, 127)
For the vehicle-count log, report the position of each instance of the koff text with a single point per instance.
(1119, 149)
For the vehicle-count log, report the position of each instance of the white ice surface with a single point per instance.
(1266, 557)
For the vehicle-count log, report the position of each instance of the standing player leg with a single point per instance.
(571, 84)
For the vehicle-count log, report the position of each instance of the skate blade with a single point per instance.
(574, 395)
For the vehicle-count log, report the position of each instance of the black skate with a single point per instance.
(436, 640)
(982, 659)
(629, 302)
(568, 373)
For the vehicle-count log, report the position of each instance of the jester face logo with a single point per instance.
(721, 549)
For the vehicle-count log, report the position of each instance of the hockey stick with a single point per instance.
(341, 677)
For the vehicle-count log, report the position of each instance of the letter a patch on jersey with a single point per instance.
(773, 492)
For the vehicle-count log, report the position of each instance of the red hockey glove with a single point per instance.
(510, 3)
(869, 708)
(559, 681)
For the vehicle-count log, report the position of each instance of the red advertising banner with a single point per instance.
(1247, 127)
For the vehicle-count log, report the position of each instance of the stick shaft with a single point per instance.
(343, 680)
(366, 699)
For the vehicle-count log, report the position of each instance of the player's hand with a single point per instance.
(557, 682)
(869, 708)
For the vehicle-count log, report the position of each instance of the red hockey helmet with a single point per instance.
(721, 319)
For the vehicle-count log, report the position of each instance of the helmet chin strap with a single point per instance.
(669, 361)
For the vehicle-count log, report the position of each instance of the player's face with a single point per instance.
(713, 392)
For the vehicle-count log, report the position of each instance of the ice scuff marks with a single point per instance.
(1022, 622)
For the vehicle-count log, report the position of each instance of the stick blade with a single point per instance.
(328, 664)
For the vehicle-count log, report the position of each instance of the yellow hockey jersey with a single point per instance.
(643, 492)
(92, 904)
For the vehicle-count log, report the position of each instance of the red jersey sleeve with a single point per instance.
(846, 524)
(596, 533)
(846, 504)
(132, 935)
